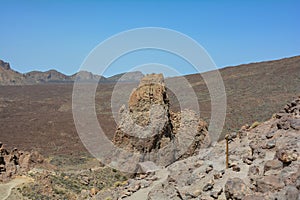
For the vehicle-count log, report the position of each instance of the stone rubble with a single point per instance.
(263, 173)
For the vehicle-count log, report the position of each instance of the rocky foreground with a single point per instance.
(264, 163)
(177, 159)
(15, 162)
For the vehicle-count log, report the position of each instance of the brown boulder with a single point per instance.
(273, 165)
(286, 156)
(269, 183)
(292, 193)
(236, 189)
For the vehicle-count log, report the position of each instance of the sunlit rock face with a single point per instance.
(150, 128)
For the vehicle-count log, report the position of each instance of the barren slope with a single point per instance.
(40, 117)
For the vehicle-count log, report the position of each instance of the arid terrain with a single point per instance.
(39, 117)
(52, 163)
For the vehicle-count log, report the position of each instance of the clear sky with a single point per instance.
(59, 34)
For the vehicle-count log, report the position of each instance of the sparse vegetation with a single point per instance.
(254, 125)
(64, 185)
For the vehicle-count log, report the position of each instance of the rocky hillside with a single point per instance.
(264, 163)
(254, 91)
(36, 77)
(11, 77)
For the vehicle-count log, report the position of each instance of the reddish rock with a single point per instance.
(269, 183)
(273, 165)
(286, 156)
(150, 128)
(235, 189)
(17, 162)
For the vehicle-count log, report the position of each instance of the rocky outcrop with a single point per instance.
(17, 162)
(4, 65)
(257, 170)
(150, 128)
(9, 76)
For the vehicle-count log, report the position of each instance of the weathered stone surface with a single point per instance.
(286, 156)
(235, 189)
(269, 183)
(295, 124)
(254, 197)
(273, 165)
(264, 173)
(166, 192)
(4, 65)
(151, 91)
(151, 129)
(16, 162)
(270, 144)
(292, 193)
(208, 186)
(146, 167)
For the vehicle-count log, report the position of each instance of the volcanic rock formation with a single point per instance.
(150, 128)
(264, 163)
(17, 162)
(9, 76)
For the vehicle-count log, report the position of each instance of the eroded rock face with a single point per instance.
(263, 173)
(4, 65)
(17, 162)
(150, 128)
(235, 188)
(150, 92)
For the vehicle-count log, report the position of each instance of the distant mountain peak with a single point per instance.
(4, 65)
(11, 77)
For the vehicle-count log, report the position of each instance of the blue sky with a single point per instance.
(41, 35)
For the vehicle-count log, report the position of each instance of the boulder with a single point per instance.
(269, 183)
(286, 156)
(292, 193)
(236, 189)
(166, 192)
(273, 165)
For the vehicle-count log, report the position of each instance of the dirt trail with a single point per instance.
(5, 189)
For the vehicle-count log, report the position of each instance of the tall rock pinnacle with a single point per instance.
(150, 128)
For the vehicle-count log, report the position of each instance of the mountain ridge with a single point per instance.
(8, 76)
